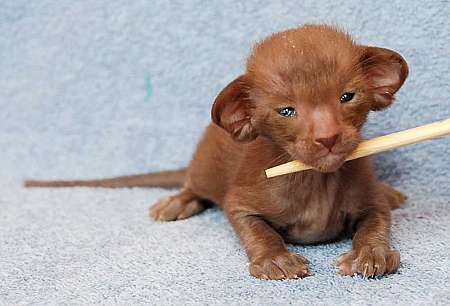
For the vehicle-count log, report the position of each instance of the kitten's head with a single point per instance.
(309, 91)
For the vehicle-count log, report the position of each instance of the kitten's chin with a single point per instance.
(329, 163)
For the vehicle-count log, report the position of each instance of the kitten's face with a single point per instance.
(311, 100)
(319, 130)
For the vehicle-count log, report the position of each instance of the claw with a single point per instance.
(365, 269)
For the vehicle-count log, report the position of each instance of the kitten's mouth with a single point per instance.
(325, 160)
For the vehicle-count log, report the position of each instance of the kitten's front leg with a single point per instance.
(268, 255)
(371, 254)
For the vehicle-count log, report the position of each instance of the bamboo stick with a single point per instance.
(376, 145)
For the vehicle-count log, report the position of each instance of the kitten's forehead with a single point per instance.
(310, 55)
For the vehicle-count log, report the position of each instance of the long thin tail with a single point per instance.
(165, 179)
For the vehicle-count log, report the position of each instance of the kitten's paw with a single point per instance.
(282, 266)
(369, 262)
(176, 207)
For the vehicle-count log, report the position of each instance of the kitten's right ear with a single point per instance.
(233, 110)
(386, 71)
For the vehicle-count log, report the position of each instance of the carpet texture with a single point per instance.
(103, 88)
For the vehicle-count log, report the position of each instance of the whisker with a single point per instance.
(278, 159)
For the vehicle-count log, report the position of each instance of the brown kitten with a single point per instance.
(305, 95)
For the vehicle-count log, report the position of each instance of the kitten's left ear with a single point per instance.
(233, 110)
(386, 71)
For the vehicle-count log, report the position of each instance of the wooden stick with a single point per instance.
(376, 145)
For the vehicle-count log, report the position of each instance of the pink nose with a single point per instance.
(328, 142)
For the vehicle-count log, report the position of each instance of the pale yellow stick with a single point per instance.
(376, 145)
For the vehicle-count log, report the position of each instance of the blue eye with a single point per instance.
(287, 112)
(347, 96)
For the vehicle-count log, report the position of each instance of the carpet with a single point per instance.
(102, 88)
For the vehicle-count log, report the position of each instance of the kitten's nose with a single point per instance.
(328, 142)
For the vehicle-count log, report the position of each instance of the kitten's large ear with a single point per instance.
(386, 70)
(232, 110)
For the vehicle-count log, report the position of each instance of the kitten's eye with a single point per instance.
(287, 112)
(347, 96)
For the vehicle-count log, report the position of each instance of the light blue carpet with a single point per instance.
(101, 88)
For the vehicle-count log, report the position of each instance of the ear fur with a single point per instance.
(386, 71)
(232, 110)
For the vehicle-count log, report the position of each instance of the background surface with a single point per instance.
(101, 88)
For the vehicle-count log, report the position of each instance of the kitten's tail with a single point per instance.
(165, 179)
